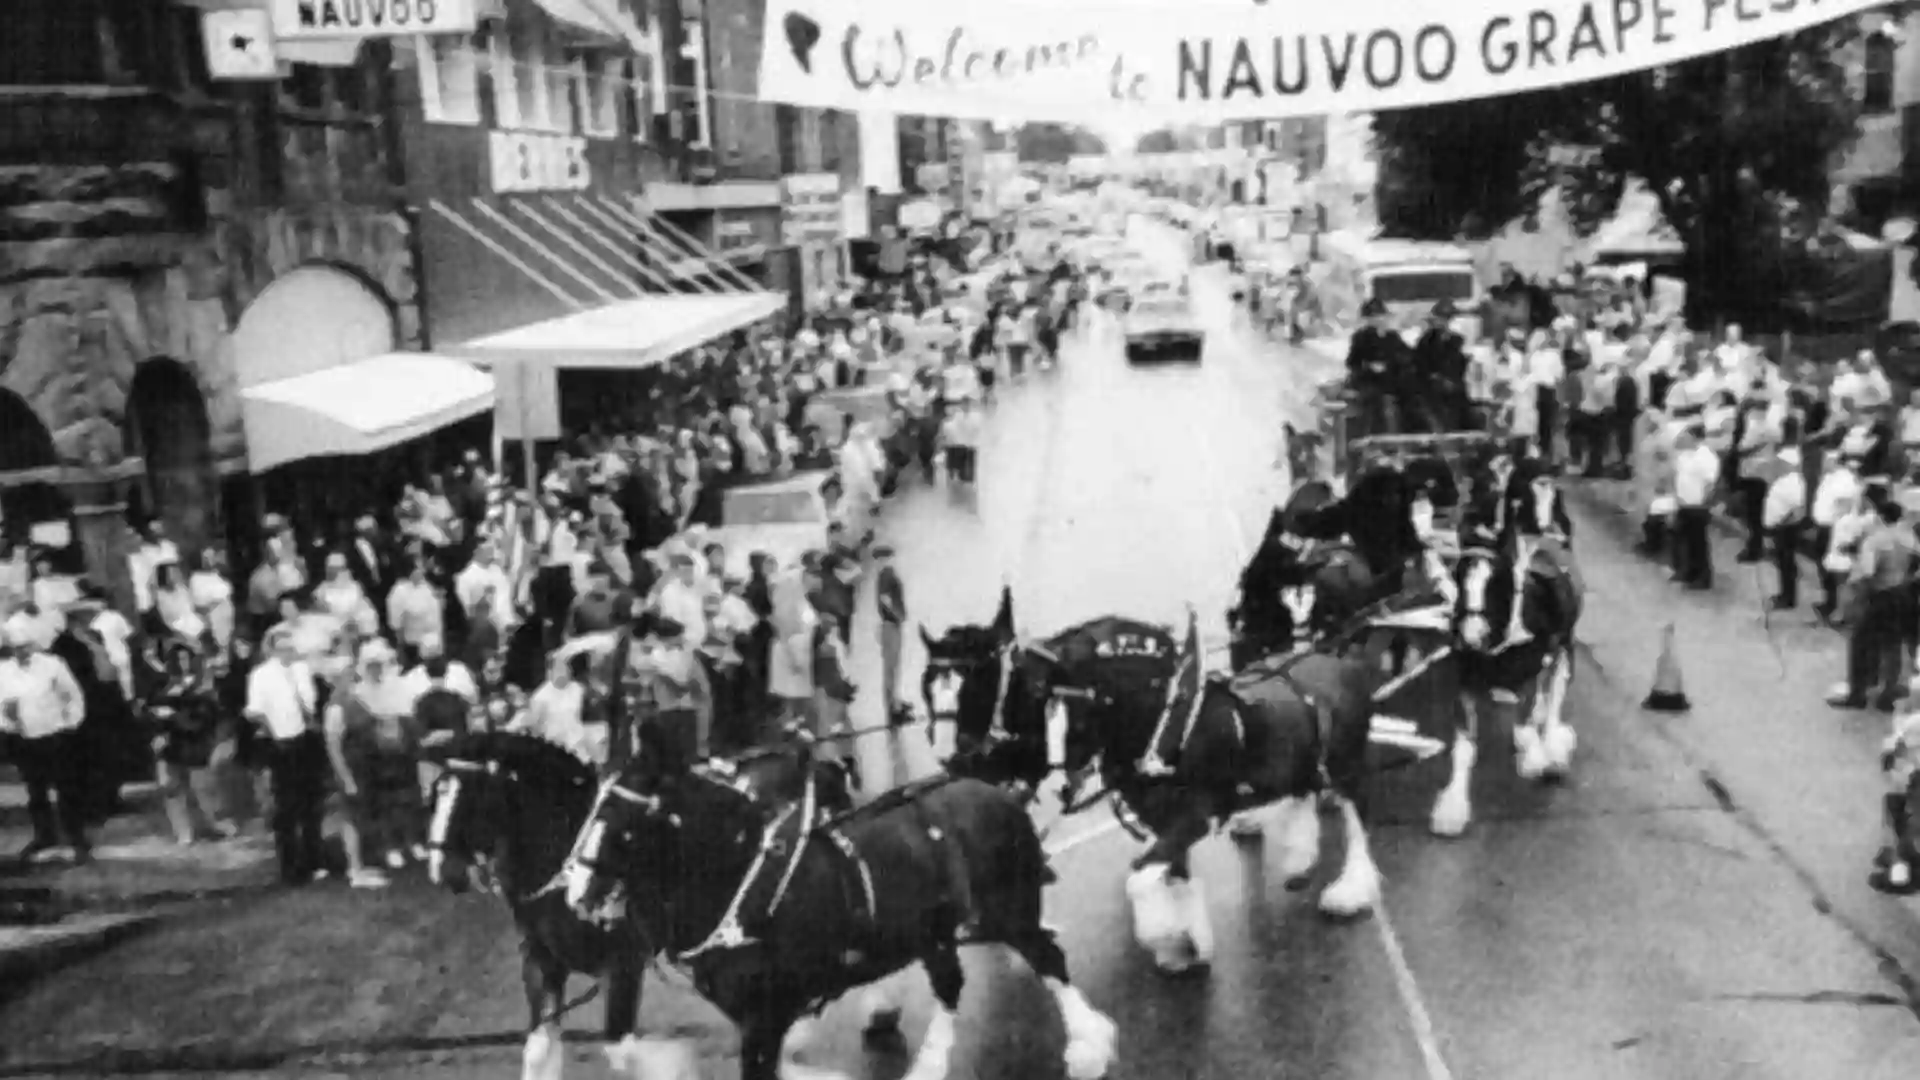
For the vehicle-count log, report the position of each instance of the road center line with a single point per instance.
(1411, 1000)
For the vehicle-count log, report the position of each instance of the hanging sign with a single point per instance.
(812, 209)
(530, 161)
(239, 44)
(295, 19)
(1077, 60)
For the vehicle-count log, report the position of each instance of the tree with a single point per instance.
(1736, 146)
(1055, 143)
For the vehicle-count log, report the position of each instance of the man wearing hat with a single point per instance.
(1440, 367)
(42, 707)
(1879, 581)
(1377, 359)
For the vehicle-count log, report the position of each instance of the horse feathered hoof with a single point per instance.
(544, 1056)
(1896, 879)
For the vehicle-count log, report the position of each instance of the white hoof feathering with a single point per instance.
(1156, 920)
(544, 1056)
(881, 1004)
(1299, 819)
(1190, 898)
(1529, 752)
(1092, 1038)
(1357, 889)
(936, 1049)
(1899, 875)
(1558, 745)
(1244, 826)
(655, 1058)
(1453, 809)
(800, 1037)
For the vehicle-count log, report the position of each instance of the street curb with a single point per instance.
(57, 948)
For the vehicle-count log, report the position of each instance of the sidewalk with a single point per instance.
(53, 913)
(1804, 777)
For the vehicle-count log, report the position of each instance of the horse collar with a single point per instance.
(731, 932)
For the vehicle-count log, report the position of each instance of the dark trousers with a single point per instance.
(54, 771)
(1874, 643)
(298, 769)
(1829, 581)
(1692, 547)
(1753, 500)
(1786, 562)
(1549, 408)
(1590, 442)
(1622, 424)
(553, 598)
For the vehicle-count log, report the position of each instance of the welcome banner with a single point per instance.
(1209, 60)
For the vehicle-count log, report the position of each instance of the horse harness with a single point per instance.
(778, 856)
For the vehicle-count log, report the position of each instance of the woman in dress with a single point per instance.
(184, 712)
(372, 744)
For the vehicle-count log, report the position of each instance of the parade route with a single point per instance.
(1635, 923)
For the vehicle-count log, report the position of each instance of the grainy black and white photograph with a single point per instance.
(1008, 540)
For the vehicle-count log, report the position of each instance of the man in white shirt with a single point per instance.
(42, 706)
(1783, 518)
(484, 589)
(283, 699)
(1839, 490)
(682, 596)
(1696, 478)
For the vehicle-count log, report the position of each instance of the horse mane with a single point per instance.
(534, 759)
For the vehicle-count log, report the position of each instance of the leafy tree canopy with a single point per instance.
(1736, 146)
(1055, 143)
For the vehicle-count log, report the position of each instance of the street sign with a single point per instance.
(296, 19)
(239, 44)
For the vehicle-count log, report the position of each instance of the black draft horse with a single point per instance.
(1181, 751)
(775, 917)
(510, 806)
(1492, 597)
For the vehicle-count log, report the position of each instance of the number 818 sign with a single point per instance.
(524, 161)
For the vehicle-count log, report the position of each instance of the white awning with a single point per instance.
(360, 407)
(626, 333)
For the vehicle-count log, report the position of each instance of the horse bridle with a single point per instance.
(454, 769)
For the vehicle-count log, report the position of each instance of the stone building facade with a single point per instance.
(143, 210)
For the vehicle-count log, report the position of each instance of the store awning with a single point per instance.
(625, 334)
(361, 407)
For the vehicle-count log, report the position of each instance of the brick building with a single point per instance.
(144, 212)
(204, 284)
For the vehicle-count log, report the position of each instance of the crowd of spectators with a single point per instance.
(304, 692)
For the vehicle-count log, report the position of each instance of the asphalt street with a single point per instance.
(1688, 906)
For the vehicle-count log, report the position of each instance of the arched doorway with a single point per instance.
(32, 509)
(167, 425)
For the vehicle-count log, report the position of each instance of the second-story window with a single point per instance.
(449, 79)
(507, 77)
(1877, 69)
(596, 86)
(557, 71)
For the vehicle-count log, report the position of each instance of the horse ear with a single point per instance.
(925, 638)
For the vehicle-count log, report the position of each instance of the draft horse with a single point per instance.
(1491, 598)
(509, 806)
(776, 916)
(1188, 758)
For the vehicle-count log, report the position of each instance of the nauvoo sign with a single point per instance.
(296, 19)
(1209, 60)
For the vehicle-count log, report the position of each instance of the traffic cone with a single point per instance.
(1668, 694)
